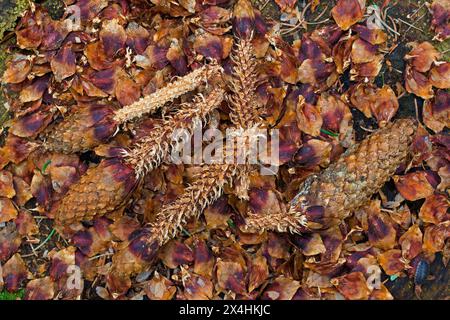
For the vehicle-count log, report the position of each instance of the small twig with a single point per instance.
(185, 232)
(394, 27)
(299, 24)
(392, 48)
(381, 16)
(7, 37)
(61, 238)
(33, 250)
(41, 217)
(367, 129)
(411, 25)
(321, 14)
(46, 239)
(107, 254)
(417, 110)
(319, 22)
(33, 240)
(264, 5)
(287, 24)
(418, 19)
(416, 11)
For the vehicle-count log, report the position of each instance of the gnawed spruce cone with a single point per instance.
(206, 189)
(91, 126)
(107, 187)
(145, 243)
(326, 199)
(149, 152)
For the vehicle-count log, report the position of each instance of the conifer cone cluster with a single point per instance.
(209, 182)
(331, 196)
(205, 96)
(108, 186)
(90, 126)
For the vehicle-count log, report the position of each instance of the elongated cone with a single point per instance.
(243, 99)
(168, 93)
(326, 199)
(279, 222)
(101, 190)
(207, 187)
(89, 127)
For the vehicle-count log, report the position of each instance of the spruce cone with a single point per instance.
(280, 222)
(326, 199)
(243, 100)
(81, 131)
(101, 190)
(168, 93)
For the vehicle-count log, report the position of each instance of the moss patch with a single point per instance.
(3, 112)
(55, 8)
(5, 295)
(10, 10)
(4, 56)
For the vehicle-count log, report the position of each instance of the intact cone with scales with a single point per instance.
(331, 196)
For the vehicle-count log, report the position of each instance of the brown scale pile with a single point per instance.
(361, 181)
